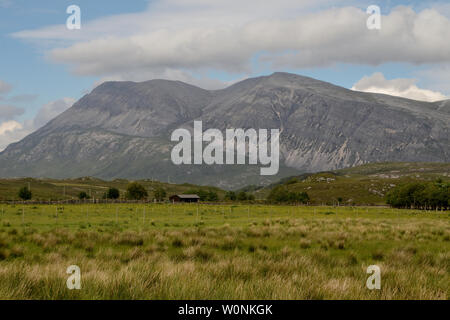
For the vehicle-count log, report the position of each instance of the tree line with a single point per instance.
(281, 194)
(414, 195)
(136, 191)
(420, 195)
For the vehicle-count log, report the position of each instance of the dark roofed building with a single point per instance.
(184, 198)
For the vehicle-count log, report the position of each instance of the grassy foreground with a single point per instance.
(222, 252)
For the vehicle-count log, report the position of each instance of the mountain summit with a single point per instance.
(123, 129)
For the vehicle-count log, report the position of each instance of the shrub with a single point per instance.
(83, 195)
(212, 196)
(135, 191)
(25, 194)
(159, 194)
(113, 193)
(230, 195)
(280, 194)
(242, 196)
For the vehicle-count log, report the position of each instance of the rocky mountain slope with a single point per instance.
(122, 130)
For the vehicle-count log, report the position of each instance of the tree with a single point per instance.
(135, 191)
(302, 197)
(212, 196)
(83, 195)
(113, 193)
(202, 194)
(230, 195)
(25, 194)
(406, 196)
(159, 193)
(280, 194)
(430, 195)
(242, 196)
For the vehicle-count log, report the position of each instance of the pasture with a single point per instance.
(190, 251)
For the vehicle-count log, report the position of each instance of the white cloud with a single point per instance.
(5, 87)
(405, 88)
(437, 78)
(175, 15)
(192, 37)
(443, 8)
(13, 131)
(9, 126)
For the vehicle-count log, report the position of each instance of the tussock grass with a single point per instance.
(269, 254)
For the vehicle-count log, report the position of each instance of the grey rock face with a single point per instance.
(122, 130)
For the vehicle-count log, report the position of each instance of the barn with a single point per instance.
(184, 198)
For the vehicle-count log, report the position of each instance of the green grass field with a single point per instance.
(222, 252)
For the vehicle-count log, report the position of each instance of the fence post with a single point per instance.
(143, 218)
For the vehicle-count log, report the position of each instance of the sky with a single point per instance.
(45, 67)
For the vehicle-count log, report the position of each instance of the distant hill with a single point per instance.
(122, 130)
(52, 189)
(366, 184)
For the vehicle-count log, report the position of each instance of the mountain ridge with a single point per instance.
(122, 130)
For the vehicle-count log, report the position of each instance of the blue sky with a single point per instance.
(24, 64)
(42, 63)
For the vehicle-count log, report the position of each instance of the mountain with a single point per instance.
(123, 129)
(443, 106)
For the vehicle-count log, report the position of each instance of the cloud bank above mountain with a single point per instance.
(405, 88)
(174, 37)
(12, 130)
